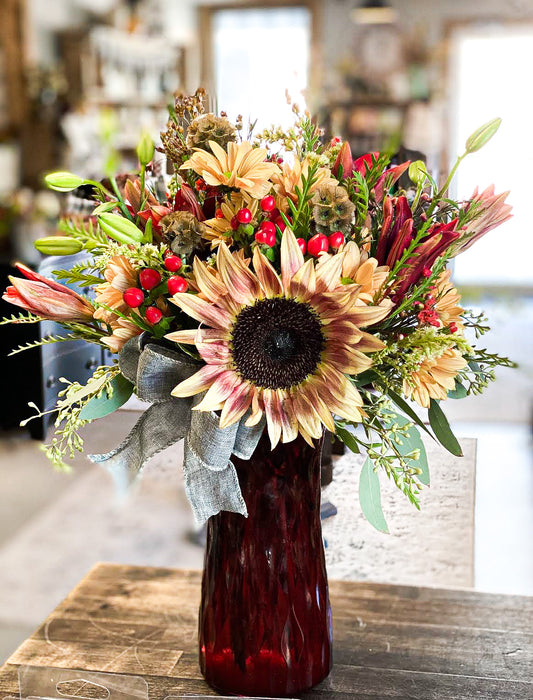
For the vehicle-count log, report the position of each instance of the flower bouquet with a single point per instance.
(271, 288)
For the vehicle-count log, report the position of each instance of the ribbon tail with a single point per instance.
(210, 491)
(160, 426)
(247, 439)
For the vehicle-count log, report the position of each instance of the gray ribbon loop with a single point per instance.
(211, 482)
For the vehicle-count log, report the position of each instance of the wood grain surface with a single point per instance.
(390, 641)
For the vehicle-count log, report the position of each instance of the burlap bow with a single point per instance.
(211, 482)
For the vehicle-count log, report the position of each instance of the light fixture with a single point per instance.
(374, 12)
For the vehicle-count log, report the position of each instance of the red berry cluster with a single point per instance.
(149, 280)
(266, 233)
(427, 314)
(321, 243)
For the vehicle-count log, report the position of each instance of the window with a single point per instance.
(258, 53)
(490, 68)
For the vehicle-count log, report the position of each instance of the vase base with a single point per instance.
(262, 677)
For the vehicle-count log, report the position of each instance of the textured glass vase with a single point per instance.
(265, 618)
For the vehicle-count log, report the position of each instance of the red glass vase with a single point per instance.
(265, 618)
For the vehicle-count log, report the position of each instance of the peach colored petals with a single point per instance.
(119, 275)
(278, 346)
(447, 302)
(122, 331)
(241, 166)
(290, 177)
(434, 378)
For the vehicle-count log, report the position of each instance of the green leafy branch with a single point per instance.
(20, 318)
(71, 402)
(301, 212)
(87, 233)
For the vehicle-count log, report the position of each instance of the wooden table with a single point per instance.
(389, 641)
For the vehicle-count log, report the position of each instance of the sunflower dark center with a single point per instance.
(277, 343)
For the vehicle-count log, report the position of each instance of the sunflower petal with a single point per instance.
(191, 336)
(236, 405)
(198, 382)
(272, 417)
(292, 258)
(303, 284)
(328, 274)
(267, 276)
(225, 384)
(203, 311)
(237, 277)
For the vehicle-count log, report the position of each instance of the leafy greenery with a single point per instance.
(72, 400)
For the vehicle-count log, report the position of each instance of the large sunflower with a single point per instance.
(279, 346)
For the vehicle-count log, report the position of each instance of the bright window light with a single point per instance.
(489, 79)
(258, 54)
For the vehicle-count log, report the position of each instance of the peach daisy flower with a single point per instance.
(281, 346)
(119, 275)
(218, 230)
(434, 377)
(241, 166)
(447, 302)
(122, 331)
(290, 177)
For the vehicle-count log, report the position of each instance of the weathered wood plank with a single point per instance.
(389, 641)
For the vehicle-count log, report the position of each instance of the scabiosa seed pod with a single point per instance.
(332, 209)
(183, 232)
(207, 128)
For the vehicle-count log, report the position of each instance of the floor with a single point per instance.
(53, 532)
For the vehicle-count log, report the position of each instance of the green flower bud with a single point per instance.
(145, 149)
(58, 245)
(417, 172)
(120, 229)
(63, 181)
(482, 135)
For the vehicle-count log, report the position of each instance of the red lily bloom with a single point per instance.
(46, 298)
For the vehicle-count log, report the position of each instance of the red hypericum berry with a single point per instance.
(261, 236)
(302, 244)
(268, 203)
(244, 216)
(234, 223)
(317, 244)
(280, 223)
(149, 278)
(336, 239)
(133, 297)
(219, 214)
(271, 239)
(153, 314)
(426, 272)
(172, 263)
(268, 227)
(176, 284)
(453, 327)
(273, 215)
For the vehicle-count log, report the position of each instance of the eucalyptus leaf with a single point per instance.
(370, 497)
(103, 405)
(442, 430)
(404, 406)
(348, 439)
(412, 441)
(459, 392)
